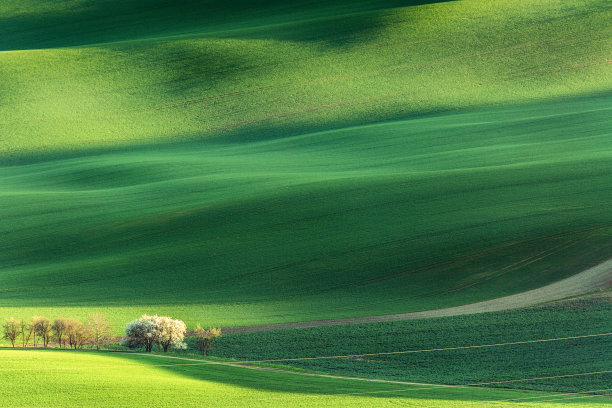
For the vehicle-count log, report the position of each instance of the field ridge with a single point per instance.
(595, 278)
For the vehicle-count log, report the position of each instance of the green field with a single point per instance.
(265, 162)
(77, 379)
(236, 170)
(579, 317)
(395, 217)
(79, 74)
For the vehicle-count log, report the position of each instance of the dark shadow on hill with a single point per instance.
(276, 382)
(93, 22)
(104, 255)
(339, 28)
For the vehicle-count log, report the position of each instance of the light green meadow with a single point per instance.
(82, 74)
(78, 379)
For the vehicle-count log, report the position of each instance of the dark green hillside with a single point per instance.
(577, 317)
(31, 24)
(272, 163)
(396, 217)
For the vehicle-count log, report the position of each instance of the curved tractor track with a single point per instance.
(590, 280)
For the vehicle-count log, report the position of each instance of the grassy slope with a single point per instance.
(70, 379)
(250, 228)
(403, 216)
(370, 219)
(327, 66)
(578, 317)
(34, 24)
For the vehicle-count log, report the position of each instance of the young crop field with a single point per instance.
(443, 351)
(265, 162)
(80, 379)
(395, 217)
(74, 77)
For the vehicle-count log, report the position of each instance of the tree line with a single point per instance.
(67, 332)
(146, 331)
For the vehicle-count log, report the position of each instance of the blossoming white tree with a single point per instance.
(149, 330)
(141, 332)
(170, 333)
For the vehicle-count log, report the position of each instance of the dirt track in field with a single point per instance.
(590, 280)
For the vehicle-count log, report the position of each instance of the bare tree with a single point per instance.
(98, 329)
(11, 330)
(26, 330)
(33, 329)
(42, 328)
(75, 333)
(205, 338)
(59, 330)
(82, 338)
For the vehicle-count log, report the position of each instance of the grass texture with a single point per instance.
(282, 162)
(79, 74)
(157, 157)
(578, 317)
(80, 379)
(403, 216)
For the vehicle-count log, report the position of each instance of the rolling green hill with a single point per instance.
(263, 161)
(401, 216)
(81, 73)
(284, 163)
